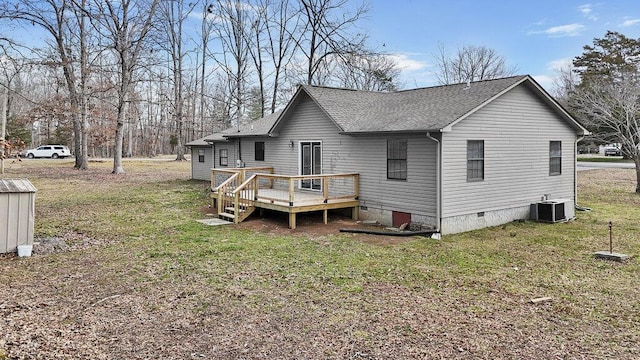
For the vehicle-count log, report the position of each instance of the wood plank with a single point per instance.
(541, 300)
(292, 220)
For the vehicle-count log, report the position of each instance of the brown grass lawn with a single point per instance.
(128, 273)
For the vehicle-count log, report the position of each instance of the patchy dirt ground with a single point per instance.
(311, 225)
(204, 296)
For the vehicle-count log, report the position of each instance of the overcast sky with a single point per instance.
(536, 36)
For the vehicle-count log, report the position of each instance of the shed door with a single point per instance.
(311, 164)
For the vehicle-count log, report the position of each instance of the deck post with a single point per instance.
(213, 180)
(325, 188)
(256, 185)
(356, 185)
(355, 213)
(291, 188)
(292, 220)
(236, 208)
(324, 216)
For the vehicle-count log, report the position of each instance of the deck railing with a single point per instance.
(219, 176)
(237, 196)
(298, 189)
(244, 197)
(224, 192)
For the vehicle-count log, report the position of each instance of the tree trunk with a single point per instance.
(119, 136)
(117, 151)
(82, 162)
(77, 139)
(636, 160)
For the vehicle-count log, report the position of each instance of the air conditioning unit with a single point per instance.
(556, 210)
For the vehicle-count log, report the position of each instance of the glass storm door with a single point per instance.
(311, 164)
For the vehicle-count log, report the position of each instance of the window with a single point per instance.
(224, 157)
(475, 160)
(397, 159)
(201, 155)
(259, 153)
(555, 157)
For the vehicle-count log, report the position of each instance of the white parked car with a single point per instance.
(612, 151)
(49, 151)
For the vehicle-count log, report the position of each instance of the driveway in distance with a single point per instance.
(590, 165)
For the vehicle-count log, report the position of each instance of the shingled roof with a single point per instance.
(259, 127)
(431, 108)
(425, 109)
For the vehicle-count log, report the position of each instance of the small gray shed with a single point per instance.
(17, 209)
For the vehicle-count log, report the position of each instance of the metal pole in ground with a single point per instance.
(3, 116)
(610, 237)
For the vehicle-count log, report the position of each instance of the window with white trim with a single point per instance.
(397, 159)
(555, 158)
(475, 160)
(224, 157)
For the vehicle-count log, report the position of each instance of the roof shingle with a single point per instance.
(430, 108)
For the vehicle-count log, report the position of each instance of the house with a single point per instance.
(454, 157)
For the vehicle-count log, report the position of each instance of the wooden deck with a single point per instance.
(237, 196)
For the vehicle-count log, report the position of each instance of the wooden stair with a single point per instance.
(229, 212)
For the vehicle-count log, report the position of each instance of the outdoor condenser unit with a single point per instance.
(555, 210)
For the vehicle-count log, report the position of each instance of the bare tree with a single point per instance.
(173, 14)
(125, 24)
(283, 31)
(81, 126)
(614, 109)
(232, 29)
(373, 72)
(328, 33)
(607, 98)
(57, 17)
(256, 50)
(207, 13)
(471, 63)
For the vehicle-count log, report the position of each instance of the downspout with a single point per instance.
(438, 182)
(239, 164)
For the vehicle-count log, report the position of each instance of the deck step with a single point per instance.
(227, 215)
(233, 210)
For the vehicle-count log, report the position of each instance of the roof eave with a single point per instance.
(376, 132)
(237, 136)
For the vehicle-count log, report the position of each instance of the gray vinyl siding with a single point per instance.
(201, 170)
(366, 155)
(516, 129)
(232, 153)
